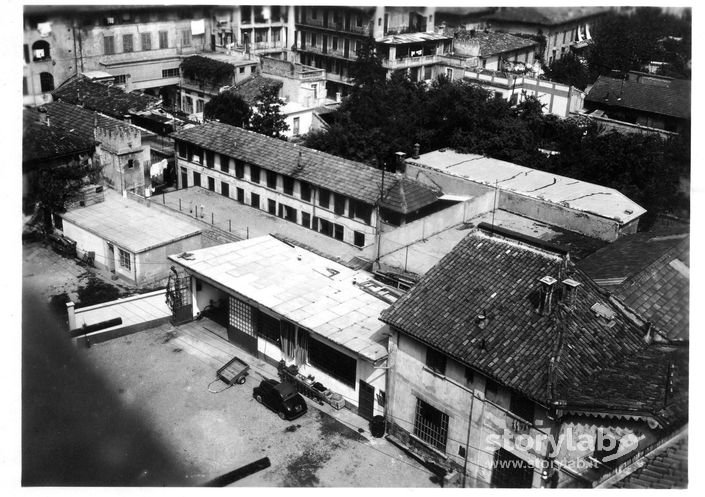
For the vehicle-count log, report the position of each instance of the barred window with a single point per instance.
(125, 260)
(431, 425)
(170, 73)
(241, 316)
(146, 41)
(127, 43)
(163, 39)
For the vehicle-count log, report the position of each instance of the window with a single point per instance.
(313, 13)
(288, 213)
(268, 328)
(288, 185)
(334, 43)
(313, 39)
(127, 43)
(187, 105)
(146, 41)
(240, 195)
(108, 45)
(323, 197)
(510, 471)
(306, 220)
(469, 376)
(272, 207)
(297, 124)
(25, 90)
(339, 204)
(163, 39)
(272, 180)
(522, 407)
(435, 361)
(449, 73)
(40, 51)
(242, 70)
(358, 21)
(125, 260)
(46, 80)
(361, 210)
(491, 391)
(224, 163)
(329, 360)
(326, 227)
(241, 316)
(199, 105)
(431, 425)
(359, 239)
(254, 174)
(239, 169)
(254, 200)
(224, 189)
(186, 38)
(196, 179)
(196, 153)
(338, 232)
(26, 53)
(170, 73)
(305, 191)
(211, 184)
(121, 79)
(210, 159)
(181, 146)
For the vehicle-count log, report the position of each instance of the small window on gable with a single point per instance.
(435, 361)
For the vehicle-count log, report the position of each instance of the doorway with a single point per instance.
(366, 400)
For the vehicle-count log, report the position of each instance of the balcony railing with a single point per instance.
(410, 61)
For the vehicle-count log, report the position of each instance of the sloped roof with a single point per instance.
(110, 100)
(627, 256)
(660, 293)
(665, 467)
(497, 42)
(251, 88)
(354, 179)
(80, 120)
(41, 142)
(669, 98)
(544, 16)
(497, 275)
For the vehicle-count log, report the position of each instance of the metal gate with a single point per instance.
(178, 298)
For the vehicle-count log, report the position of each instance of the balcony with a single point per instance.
(406, 62)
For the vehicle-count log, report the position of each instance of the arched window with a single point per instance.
(47, 82)
(40, 51)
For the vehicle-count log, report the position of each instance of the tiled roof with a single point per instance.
(496, 42)
(664, 468)
(544, 16)
(80, 120)
(661, 292)
(404, 38)
(627, 256)
(669, 98)
(109, 100)
(339, 175)
(251, 88)
(41, 142)
(498, 276)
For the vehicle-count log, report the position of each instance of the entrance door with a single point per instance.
(241, 325)
(510, 471)
(184, 178)
(178, 297)
(110, 259)
(366, 400)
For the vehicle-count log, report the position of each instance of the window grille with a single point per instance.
(431, 425)
(241, 316)
(125, 260)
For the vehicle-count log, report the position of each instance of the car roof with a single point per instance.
(286, 389)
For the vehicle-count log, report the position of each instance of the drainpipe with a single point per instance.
(467, 440)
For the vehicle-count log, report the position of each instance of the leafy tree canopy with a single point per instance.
(268, 119)
(228, 108)
(569, 70)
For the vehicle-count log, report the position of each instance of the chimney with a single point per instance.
(299, 162)
(400, 162)
(548, 284)
(43, 115)
(481, 320)
(570, 291)
(417, 151)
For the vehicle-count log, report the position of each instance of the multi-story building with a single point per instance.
(509, 367)
(329, 37)
(564, 28)
(337, 197)
(141, 46)
(256, 29)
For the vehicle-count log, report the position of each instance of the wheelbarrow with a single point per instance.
(235, 371)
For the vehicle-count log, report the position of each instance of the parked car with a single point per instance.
(281, 398)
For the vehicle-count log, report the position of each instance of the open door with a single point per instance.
(366, 400)
(178, 298)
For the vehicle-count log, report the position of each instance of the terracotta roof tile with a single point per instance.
(41, 142)
(339, 175)
(665, 467)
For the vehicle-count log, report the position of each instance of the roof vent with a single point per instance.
(481, 320)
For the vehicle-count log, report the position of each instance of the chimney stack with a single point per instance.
(401, 164)
(43, 115)
(570, 291)
(548, 284)
(417, 151)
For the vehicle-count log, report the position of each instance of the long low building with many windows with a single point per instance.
(322, 192)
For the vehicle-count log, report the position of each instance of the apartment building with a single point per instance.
(255, 29)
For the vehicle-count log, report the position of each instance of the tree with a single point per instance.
(569, 70)
(54, 187)
(367, 70)
(228, 108)
(268, 119)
